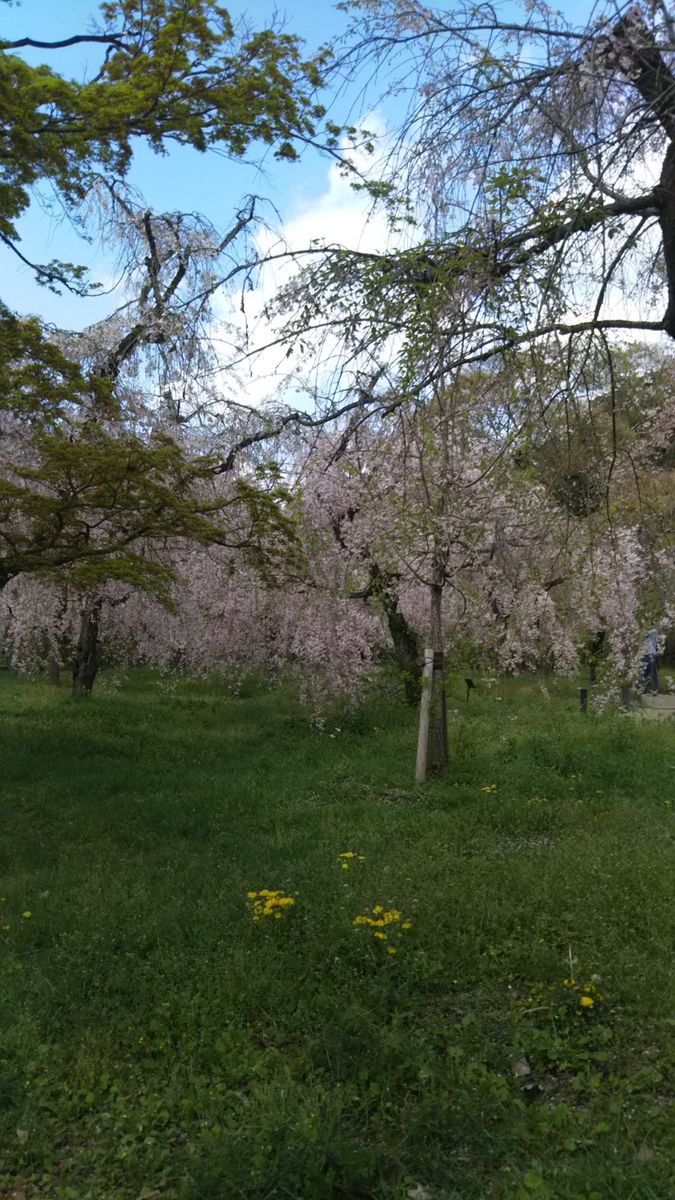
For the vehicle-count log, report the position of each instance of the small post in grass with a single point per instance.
(625, 696)
(469, 685)
(583, 699)
(425, 709)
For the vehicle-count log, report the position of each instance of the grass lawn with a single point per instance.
(158, 1042)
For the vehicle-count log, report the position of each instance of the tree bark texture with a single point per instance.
(640, 58)
(666, 194)
(406, 647)
(407, 650)
(85, 665)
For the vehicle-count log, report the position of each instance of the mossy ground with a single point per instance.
(159, 1043)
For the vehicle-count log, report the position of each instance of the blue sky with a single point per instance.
(309, 195)
(183, 180)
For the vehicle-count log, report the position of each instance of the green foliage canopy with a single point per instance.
(80, 489)
(172, 71)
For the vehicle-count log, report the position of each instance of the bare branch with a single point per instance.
(106, 39)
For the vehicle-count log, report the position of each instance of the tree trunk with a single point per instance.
(406, 647)
(640, 59)
(666, 196)
(85, 665)
(438, 733)
(407, 650)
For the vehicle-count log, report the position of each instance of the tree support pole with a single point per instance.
(425, 712)
(438, 750)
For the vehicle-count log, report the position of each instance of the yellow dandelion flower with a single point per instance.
(27, 914)
(587, 1001)
(382, 937)
(345, 866)
(391, 950)
(268, 902)
(378, 909)
(406, 925)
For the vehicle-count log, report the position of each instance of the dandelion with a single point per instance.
(384, 925)
(491, 787)
(269, 903)
(26, 915)
(586, 995)
(348, 858)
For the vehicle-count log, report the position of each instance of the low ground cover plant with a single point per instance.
(200, 1000)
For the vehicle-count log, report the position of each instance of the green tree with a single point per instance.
(171, 72)
(87, 485)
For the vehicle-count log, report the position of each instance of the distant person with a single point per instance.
(649, 680)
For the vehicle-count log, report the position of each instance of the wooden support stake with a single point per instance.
(583, 699)
(425, 709)
(625, 697)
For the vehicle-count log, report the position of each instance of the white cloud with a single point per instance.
(338, 216)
